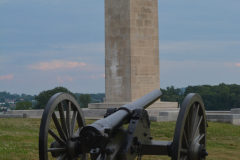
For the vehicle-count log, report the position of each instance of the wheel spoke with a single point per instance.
(187, 127)
(56, 149)
(62, 118)
(62, 156)
(58, 126)
(58, 139)
(199, 138)
(77, 132)
(184, 158)
(73, 123)
(79, 120)
(197, 129)
(184, 151)
(194, 119)
(185, 137)
(68, 117)
(190, 119)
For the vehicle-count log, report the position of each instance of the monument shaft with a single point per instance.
(131, 49)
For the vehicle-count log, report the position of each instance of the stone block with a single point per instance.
(163, 106)
(106, 105)
(169, 115)
(11, 116)
(236, 122)
(94, 112)
(25, 115)
(30, 113)
(166, 116)
(235, 111)
(217, 112)
(155, 112)
(224, 118)
(155, 118)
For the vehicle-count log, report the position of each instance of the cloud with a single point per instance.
(232, 64)
(59, 79)
(6, 77)
(69, 78)
(56, 64)
(97, 76)
(64, 78)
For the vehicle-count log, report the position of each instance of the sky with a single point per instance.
(45, 44)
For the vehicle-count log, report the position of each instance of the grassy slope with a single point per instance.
(19, 139)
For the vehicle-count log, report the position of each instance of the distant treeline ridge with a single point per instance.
(219, 97)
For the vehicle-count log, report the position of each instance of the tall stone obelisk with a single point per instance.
(131, 54)
(131, 49)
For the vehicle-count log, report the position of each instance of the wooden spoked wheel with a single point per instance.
(189, 141)
(55, 133)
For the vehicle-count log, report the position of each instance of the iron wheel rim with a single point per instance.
(49, 114)
(190, 128)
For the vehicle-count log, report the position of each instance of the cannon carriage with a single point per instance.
(107, 139)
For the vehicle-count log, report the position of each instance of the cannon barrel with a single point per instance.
(98, 133)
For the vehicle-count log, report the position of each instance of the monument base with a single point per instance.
(156, 105)
(99, 109)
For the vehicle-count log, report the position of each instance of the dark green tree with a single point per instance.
(44, 96)
(2, 100)
(172, 94)
(219, 97)
(95, 98)
(25, 105)
(84, 99)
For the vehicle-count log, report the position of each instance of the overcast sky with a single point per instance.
(44, 44)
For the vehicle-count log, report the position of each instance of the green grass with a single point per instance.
(19, 139)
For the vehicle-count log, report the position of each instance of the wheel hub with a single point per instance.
(74, 149)
(197, 151)
(55, 144)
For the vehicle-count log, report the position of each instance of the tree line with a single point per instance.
(83, 99)
(219, 97)
(25, 102)
(6, 95)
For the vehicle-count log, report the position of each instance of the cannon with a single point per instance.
(106, 139)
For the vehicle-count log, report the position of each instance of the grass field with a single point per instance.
(19, 139)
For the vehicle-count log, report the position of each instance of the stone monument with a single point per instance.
(131, 49)
(131, 52)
